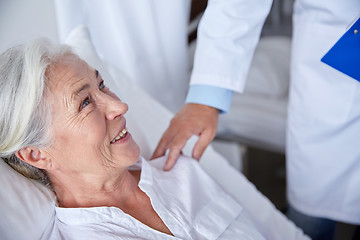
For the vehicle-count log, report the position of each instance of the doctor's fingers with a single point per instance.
(175, 146)
(172, 158)
(204, 140)
(163, 144)
(175, 140)
(167, 140)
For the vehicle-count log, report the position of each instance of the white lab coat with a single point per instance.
(323, 156)
(146, 40)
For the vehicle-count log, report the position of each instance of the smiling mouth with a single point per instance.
(121, 135)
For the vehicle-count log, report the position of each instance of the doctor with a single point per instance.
(323, 123)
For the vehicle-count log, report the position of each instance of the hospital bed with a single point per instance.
(27, 207)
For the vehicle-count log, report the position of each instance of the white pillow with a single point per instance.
(26, 206)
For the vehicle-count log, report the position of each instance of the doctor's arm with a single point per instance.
(199, 116)
(227, 36)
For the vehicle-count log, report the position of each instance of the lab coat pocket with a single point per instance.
(317, 89)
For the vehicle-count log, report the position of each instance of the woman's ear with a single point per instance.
(34, 157)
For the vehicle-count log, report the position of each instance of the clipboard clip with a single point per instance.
(353, 22)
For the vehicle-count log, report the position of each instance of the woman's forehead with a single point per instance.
(69, 72)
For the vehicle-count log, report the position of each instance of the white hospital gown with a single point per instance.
(188, 201)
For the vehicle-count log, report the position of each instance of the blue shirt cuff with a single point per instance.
(212, 96)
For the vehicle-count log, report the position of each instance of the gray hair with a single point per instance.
(25, 117)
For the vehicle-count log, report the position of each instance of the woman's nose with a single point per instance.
(114, 107)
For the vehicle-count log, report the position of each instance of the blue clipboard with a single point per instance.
(345, 54)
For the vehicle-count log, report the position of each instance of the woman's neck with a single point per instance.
(93, 191)
(122, 192)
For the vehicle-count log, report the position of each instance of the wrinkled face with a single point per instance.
(87, 122)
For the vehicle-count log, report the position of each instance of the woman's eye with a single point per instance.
(84, 103)
(102, 85)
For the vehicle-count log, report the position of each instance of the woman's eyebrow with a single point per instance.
(83, 87)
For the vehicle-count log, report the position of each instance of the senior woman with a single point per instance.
(64, 127)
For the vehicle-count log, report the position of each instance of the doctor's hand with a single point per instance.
(192, 119)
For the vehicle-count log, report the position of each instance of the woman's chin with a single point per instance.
(132, 154)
